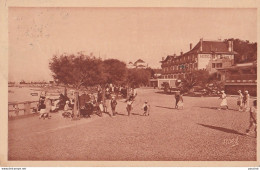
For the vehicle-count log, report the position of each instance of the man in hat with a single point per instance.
(240, 101)
(113, 104)
(129, 106)
(224, 100)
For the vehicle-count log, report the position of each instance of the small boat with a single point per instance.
(34, 94)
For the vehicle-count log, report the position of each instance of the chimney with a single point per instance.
(181, 52)
(232, 47)
(162, 58)
(190, 46)
(229, 46)
(201, 44)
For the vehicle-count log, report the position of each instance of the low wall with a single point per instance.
(21, 108)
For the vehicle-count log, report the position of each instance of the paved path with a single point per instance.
(197, 133)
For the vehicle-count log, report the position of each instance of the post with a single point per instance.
(27, 108)
(16, 109)
(76, 104)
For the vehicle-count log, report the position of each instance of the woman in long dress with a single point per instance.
(240, 101)
(224, 100)
(246, 101)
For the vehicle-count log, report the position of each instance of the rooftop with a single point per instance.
(208, 46)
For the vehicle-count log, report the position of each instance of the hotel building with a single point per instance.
(206, 55)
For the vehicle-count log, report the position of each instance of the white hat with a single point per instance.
(67, 101)
(246, 91)
(222, 91)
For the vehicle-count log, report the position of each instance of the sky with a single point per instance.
(127, 34)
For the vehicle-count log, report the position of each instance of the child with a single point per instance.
(146, 108)
(252, 119)
(113, 104)
(129, 106)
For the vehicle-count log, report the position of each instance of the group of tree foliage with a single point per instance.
(247, 51)
(201, 79)
(87, 70)
(138, 77)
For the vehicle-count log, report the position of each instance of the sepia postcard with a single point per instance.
(129, 83)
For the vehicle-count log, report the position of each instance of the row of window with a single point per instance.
(181, 67)
(175, 76)
(220, 56)
(184, 58)
(216, 65)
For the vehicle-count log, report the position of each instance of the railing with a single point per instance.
(15, 108)
(242, 77)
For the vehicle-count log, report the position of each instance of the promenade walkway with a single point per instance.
(199, 132)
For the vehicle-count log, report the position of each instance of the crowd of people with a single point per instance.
(106, 99)
(88, 102)
(243, 103)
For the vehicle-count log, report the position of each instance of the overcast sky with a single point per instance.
(35, 34)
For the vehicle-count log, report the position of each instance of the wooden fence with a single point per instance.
(21, 108)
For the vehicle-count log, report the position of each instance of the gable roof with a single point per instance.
(207, 47)
(211, 46)
(139, 61)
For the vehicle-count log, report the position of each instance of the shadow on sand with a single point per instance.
(222, 129)
(162, 92)
(136, 114)
(165, 107)
(215, 108)
(120, 114)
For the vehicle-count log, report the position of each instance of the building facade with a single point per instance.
(207, 55)
(138, 64)
(240, 77)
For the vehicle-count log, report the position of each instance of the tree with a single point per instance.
(195, 78)
(247, 52)
(138, 77)
(80, 70)
(77, 70)
(115, 71)
(152, 71)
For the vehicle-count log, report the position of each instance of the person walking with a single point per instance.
(107, 99)
(129, 106)
(48, 107)
(224, 100)
(180, 104)
(113, 104)
(177, 98)
(240, 101)
(246, 101)
(252, 118)
(146, 108)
